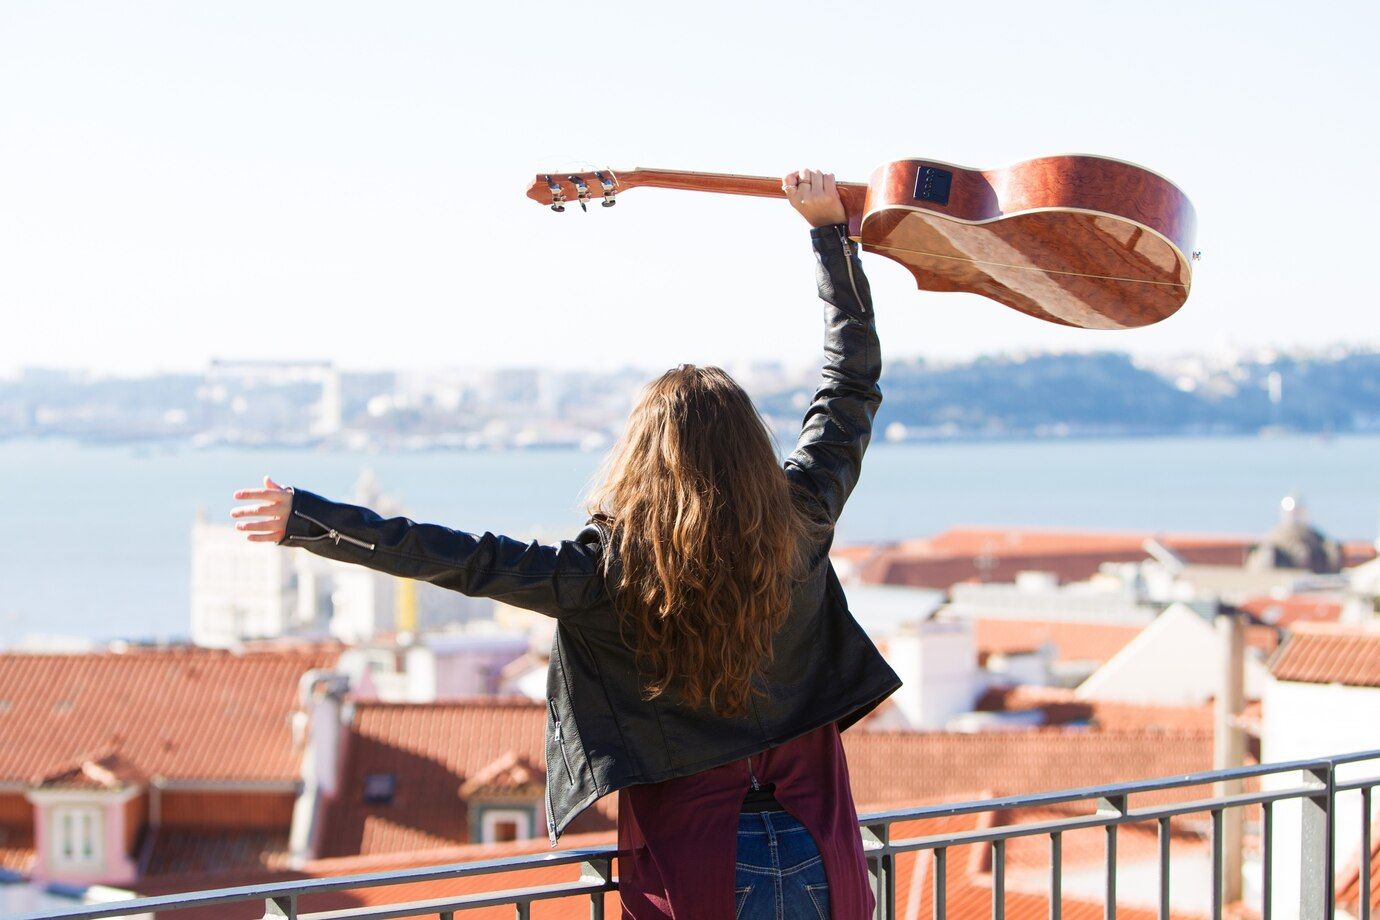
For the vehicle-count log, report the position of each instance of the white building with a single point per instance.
(439, 666)
(243, 590)
(1323, 700)
(1175, 661)
(937, 663)
(239, 589)
(1362, 605)
(1038, 595)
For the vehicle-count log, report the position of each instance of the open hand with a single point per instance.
(273, 503)
(815, 195)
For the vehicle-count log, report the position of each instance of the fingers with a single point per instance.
(258, 511)
(274, 502)
(266, 494)
(815, 194)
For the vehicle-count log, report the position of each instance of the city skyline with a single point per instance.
(329, 181)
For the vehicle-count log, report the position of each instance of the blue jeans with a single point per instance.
(779, 873)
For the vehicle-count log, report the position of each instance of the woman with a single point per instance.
(705, 660)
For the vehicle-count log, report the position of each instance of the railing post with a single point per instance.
(281, 907)
(1315, 846)
(596, 870)
(1112, 805)
(882, 867)
(1056, 875)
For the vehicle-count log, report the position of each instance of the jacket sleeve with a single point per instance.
(548, 579)
(838, 425)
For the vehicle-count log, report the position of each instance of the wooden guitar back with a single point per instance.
(1079, 240)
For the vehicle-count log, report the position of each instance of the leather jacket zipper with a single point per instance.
(330, 534)
(560, 743)
(550, 814)
(752, 776)
(848, 262)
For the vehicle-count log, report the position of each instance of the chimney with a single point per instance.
(322, 693)
(1229, 743)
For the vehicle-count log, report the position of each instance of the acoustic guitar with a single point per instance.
(1080, 240)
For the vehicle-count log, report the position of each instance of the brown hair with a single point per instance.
(707, 534)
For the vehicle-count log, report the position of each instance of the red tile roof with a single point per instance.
(920, 767)
(968, 880)
(431, 750)
(1285, 611)
(1261, 637)
(1061, 705)
(510, 774)
(16, 847)
(1357, 552)
(181, 851)
(178, 713)
(1073, 641)
(954, 555)
(100, 771)
(1318, 653)
(1021, 541)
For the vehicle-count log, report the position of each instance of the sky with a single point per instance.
(345, 181)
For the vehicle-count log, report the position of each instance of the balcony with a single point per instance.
(1309, 789)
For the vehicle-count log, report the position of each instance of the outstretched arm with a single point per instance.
(551, 579)
(838, 425)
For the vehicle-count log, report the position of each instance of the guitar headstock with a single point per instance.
(560, 189)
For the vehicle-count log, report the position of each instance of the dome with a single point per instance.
(1294, 544)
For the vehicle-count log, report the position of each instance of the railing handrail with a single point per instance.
(1061, 796)
(595, 861)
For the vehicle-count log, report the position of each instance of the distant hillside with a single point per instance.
(1106, 393)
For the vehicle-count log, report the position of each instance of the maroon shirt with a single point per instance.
(681, 835)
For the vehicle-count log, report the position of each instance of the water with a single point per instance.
(96, 541)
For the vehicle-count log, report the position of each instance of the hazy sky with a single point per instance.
(188, 180)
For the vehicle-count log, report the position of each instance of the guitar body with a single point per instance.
(1078, 240)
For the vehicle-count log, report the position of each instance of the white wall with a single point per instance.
(238, 590)
(1302, 721)
(937, 661)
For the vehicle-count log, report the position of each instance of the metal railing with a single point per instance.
(1316, 789)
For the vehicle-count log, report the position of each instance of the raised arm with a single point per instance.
(551, 579)
(828, 456)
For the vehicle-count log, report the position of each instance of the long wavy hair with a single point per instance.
(708, 536)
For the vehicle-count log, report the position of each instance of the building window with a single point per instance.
(76, 836)
(502, 825)
(379, 788)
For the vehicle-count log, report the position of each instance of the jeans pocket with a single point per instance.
(740, 898)
(819, 896)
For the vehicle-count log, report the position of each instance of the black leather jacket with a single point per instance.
(601, 735)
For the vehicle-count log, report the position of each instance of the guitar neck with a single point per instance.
(852, 193)
(559, 189)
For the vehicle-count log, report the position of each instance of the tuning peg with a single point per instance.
(581, 191)
(609, 189)
(557, 195)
